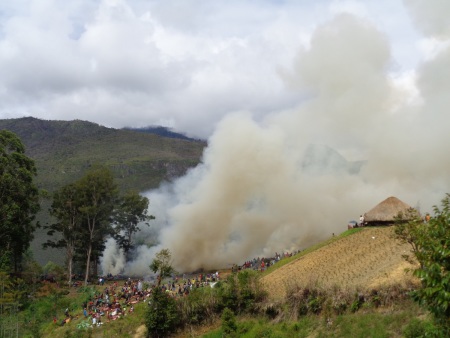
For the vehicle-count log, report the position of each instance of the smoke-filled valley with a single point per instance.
(361, 132)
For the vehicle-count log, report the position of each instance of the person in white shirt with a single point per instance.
(361, 221)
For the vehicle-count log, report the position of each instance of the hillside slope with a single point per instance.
(63, 150)
(366, 259)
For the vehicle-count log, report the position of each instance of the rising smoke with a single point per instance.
(255, 193)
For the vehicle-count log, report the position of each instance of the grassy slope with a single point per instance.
(366, 259)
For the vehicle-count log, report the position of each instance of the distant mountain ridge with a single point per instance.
(161, 131)
(323, 160)
(63, 150)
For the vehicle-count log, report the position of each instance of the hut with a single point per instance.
(385, 212)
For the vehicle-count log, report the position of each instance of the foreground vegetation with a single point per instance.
(235, 307)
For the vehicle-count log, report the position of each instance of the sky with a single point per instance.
(183, 64)
(292, 96)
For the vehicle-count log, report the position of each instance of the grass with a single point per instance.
(369, 324)
(37, 320)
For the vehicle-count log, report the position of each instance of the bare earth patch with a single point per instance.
(141, 332)
(366, 259)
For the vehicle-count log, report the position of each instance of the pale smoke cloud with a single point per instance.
(431, 16)
(252, 196)
(113, 260)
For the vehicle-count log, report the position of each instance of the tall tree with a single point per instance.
(65, 209)
(131, 210)
(19, 197)
(98, 194)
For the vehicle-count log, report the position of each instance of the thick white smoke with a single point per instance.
(274, 185)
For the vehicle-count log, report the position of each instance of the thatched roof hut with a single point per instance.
(385, 212)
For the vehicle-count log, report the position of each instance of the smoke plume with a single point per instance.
(284, 183)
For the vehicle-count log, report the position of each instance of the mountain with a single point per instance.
(323, 160)
(64, 150)
(161, 131)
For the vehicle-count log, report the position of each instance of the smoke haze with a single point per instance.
(254, 193)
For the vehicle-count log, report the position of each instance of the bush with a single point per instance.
(199, 306)
(162, 317)
(420, 328)
(241, 292)
(229, 326)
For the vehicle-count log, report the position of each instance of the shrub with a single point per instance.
(162, 317)
(241, 292)
(229, 325)
(199, 306)
(420, 328)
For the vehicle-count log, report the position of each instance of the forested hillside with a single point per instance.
(63, 150)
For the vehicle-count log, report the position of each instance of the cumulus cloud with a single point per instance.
(185, 63)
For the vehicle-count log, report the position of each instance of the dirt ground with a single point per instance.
(366, 259)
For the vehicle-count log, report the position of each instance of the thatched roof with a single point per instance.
(386, 210)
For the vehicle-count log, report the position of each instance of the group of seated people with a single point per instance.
(115, 302)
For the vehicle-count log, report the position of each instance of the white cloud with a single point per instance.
(190, 62)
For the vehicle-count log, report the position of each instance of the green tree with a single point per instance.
(433, 253)
(162, 265)
(97, 193)
(65, 208)
(409, 227)
(19, 198)
(131, 209)
(163, 315)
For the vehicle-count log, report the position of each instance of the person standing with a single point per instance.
(361, 221)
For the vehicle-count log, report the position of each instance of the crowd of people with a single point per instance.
(263, 263)
(116, 301)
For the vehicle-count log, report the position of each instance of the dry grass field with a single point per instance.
(367, 259)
